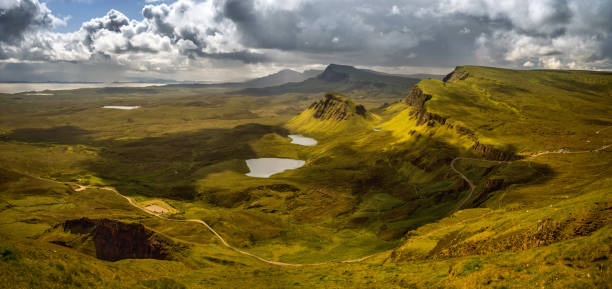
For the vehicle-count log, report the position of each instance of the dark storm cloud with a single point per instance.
(71, 72)
(276, 29)
(158, 15)
(18, 17)
(243, 56)
(218, 35)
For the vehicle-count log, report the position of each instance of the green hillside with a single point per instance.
(489, 178)
(333, 115)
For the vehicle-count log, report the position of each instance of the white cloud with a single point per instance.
(551, 62)
(395, 10)
(194, 35)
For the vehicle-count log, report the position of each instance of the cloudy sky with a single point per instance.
(216, 40)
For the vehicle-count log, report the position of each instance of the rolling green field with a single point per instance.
(491, 178)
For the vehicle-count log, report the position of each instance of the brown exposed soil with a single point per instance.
(115, 240)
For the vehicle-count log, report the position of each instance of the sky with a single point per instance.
(228, 40)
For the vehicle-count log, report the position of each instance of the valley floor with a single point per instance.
(468, 183)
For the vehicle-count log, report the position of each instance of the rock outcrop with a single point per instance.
(417, 99)
(457, 75)
(491, 153)
(335, 107)
(334, 113)
(115, 240)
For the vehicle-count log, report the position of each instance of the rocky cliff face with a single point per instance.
(491, 153)
(114, 240)
(417, 99)
(333, 107)
(457, 75)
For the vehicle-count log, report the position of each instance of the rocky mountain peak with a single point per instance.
(337, 107)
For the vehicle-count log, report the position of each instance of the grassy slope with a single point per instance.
(515, 238)
(551, 109)
(328, 125)
(527, 111)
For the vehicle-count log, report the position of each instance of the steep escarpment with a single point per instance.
(417, 99)
(336, 107)
(491, 153)
(114, 240)
(457, 75)
(333, 113)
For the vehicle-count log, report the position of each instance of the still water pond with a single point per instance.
(122, 107)
(265, 167)
(302, 140)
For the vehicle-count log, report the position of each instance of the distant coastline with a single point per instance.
(33, 87)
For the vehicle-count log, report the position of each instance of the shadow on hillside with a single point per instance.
(167, 165)
(55, 135)
(162, 165)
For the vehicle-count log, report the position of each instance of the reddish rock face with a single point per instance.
(116, 240)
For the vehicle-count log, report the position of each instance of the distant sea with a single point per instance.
(37, 87)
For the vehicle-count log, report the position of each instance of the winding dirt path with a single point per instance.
(217, 235)
(277, 263)
(535, 155)
(472, 186)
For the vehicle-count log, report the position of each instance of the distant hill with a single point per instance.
(278, 78)
(344, 79)
(425, 76)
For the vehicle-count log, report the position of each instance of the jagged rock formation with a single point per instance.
(457, 75)
(491, 153)
(115, 240)
(335, 107)
(334, 113)
(417, 99)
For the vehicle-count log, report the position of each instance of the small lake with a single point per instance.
(266, 167)
(302, 140)
(121, 107)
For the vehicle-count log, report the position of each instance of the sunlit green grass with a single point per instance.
(361, 192)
